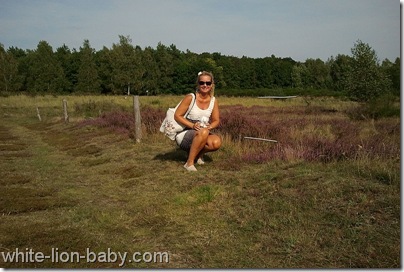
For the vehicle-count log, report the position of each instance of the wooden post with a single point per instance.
(138, 124)
(65, 111)
(39, 115)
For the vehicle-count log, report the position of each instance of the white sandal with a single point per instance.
(200, 161)
(190, 168)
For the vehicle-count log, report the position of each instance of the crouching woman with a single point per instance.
(197, 139)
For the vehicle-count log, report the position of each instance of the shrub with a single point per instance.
(152, 118)
(380, 107)
(310, 136)
(117, 121)
(123, 122)
(317, 135)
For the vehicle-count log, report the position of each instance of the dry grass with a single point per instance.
(75, 187)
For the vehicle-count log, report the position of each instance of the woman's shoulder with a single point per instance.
(188, 98)
(190, 95)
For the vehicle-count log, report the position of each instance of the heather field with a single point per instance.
(325, 195)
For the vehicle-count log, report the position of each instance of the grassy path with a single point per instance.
(76, 188)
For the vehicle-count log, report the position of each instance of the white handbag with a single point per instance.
(170, 127)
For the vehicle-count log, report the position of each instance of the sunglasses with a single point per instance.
(208, 83)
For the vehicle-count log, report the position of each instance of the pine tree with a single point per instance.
(46, 74)
(88, 81)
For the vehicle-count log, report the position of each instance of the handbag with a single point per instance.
(170, 127)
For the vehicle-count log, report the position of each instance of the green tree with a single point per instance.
(183, 79)
(127, 70)
(247, 73)
(264, 71)
(340, 69)
(392, 70)
(282, 72)
(164, 58)
(205, 62)
(88, 81)
(395, 73)
(23, 66)
(46, 74)
(297, 72)
(318, 73)
(231, 75)
(152, 73)
(8, 71)
(104, 65)
(70, 61)
(366, 81)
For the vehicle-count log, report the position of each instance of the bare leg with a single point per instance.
(213, 143)
(198, 143)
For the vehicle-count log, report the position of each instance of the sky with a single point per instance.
(299, 29)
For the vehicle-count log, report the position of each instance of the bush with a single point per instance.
(376, 108)
(123, 122)
(279, 92)
(309, 136)
(317, 135)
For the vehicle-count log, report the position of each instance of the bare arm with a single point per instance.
(215, 117)
(182, 110)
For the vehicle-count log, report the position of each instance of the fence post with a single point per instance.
(138, 124)
(65, 111)
(38, 114)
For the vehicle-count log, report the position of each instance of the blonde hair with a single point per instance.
(205, 73)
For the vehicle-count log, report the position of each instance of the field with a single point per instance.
(326, 195)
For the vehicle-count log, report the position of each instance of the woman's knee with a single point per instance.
(204, 133)
(216, 142)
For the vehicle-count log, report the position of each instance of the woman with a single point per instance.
(197, 138)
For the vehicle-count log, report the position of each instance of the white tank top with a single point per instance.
(196, 113)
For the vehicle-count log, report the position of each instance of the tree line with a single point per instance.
(129, 69)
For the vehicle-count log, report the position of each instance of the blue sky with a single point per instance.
(299, 29)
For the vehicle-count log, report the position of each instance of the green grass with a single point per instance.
(74, 188)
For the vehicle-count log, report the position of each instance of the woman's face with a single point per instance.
(205, 83)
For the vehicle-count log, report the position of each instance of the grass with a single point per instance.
(86, 184)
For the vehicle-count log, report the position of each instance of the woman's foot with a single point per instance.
(200, 161)
(190, 168)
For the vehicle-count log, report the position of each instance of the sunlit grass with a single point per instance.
(86, 184)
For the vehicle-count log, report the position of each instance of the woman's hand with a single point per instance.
(197, 126)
